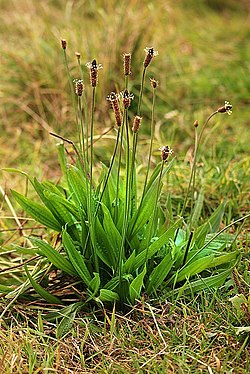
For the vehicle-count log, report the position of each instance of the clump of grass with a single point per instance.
(115, 241)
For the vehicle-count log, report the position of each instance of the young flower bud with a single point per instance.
(64, 43)
(127, 63)
(227, 108)
(165, 152)
(136, 124)
(196, 123)
(78, 55)
(93, 72)
(154, 83)
(150, 53)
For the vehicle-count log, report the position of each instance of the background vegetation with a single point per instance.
(204, 55)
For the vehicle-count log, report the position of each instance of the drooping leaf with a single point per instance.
(37, 211)
(214, 281)
(107, 295)
(57, 259)
(41, 291)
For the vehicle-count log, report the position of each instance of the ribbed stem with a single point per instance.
(104, 187)
(72, 93)
(118, 172)
(154, 212)
(86, 115)
(152, 129)
(193, 169)
(126, 205)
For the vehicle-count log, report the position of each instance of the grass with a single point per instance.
(199, 66)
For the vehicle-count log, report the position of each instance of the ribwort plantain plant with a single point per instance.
(117, 241)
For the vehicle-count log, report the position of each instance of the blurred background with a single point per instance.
(204, 59)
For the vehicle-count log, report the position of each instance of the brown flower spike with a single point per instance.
(93, 72)
(165, 152)
(127, 63)
(79, 86)
(150, 53)
(136, 124)
(114, 100)
(64, 43)
(126, 98)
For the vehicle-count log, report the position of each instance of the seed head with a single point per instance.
(114, 100)
(136, 124)
(196, 123)
(78, 55)
(165, 152)
(150, 53)
(154, 83)
(126, 98)
(79, 86)
(127, 63)
(227, 108)
(64, 43)
(93, 72)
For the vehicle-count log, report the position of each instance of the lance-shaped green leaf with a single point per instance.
(37, 211)
(159, 273)
(107, 295)
(136, 286)
(77, 184)
(155, 246)
(76, 259)
(94, 284)
(141, 216)
(56, 258)
(210, 226)
(207, 262)
(214, 281)
(103, 245)
(41, 291)
(112, 233)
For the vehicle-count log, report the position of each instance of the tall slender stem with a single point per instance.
(72, 92)
(193, 169)
(141, 91)
(91, 137)
(82, 146)
(104, 186)
(154, 211)
(85, 108)
(126, 205)
(118, 172)
(151, 145)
